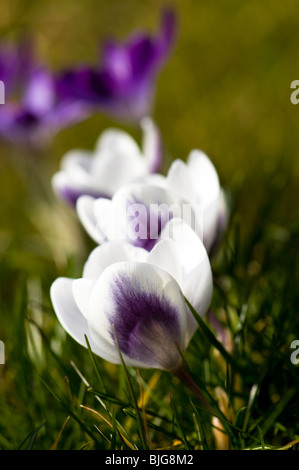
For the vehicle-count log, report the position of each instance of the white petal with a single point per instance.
(155, 179)
(86, 214)
(179, 180)
(62, 181)
(204, 176)
(74, 174)
(81, 289)
(115, 141)
(76, 164)
(142, 209)
(76, 158)
(109, 253)
(208, 189)
(112, 170)
(67, 311)
(108, 222)
(72, 319)
(197, 280)
(165, 256)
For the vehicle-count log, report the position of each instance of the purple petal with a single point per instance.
(168, 30)
(33, 110)
(70, 193)
(124, 83)
(40, 94)
(16, 65)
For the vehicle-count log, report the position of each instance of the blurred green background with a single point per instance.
(225, 90)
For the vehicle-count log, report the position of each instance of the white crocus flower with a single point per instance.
(197, 182)
(137, 298)
(116, 160)
(190, 190)
(137, 213)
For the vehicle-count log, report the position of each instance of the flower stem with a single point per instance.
(182, 374)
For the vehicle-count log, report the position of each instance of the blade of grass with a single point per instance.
(211, 337)
(32, 436)
(178, 421)
(114, 430)
(156, 427)
(201, 431)
(126, 441)
(55, 444)
(99, 396)
(104, 396)
(96, 367)
(70, 411)
(278, 410)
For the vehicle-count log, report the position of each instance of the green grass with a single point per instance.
(57, 394)
(231, 100)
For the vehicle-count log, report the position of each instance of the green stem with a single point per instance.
(182, 374)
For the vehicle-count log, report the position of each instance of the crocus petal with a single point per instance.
(111, 170)
(137, 213)
(168, 30)
(109, 253)
(164, 255)
(198, 182)
(179, 178)
(123, 84)
(70, 190)
(86, 213)
(196, 278)
(73, 179)
(204, 175)
(72, 320)
(147, 209)
(67, 311)
(116, 141)
(33, 112)
(40, 93)
(81, 289)
(117, 160)
(145, 308)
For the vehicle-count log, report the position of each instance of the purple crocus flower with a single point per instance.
(123, 84)
(137, 297)
(33, 111)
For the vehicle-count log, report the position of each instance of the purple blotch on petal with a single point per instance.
(146, 324)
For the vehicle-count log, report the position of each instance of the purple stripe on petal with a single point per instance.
(146, 324)
(71, 194)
